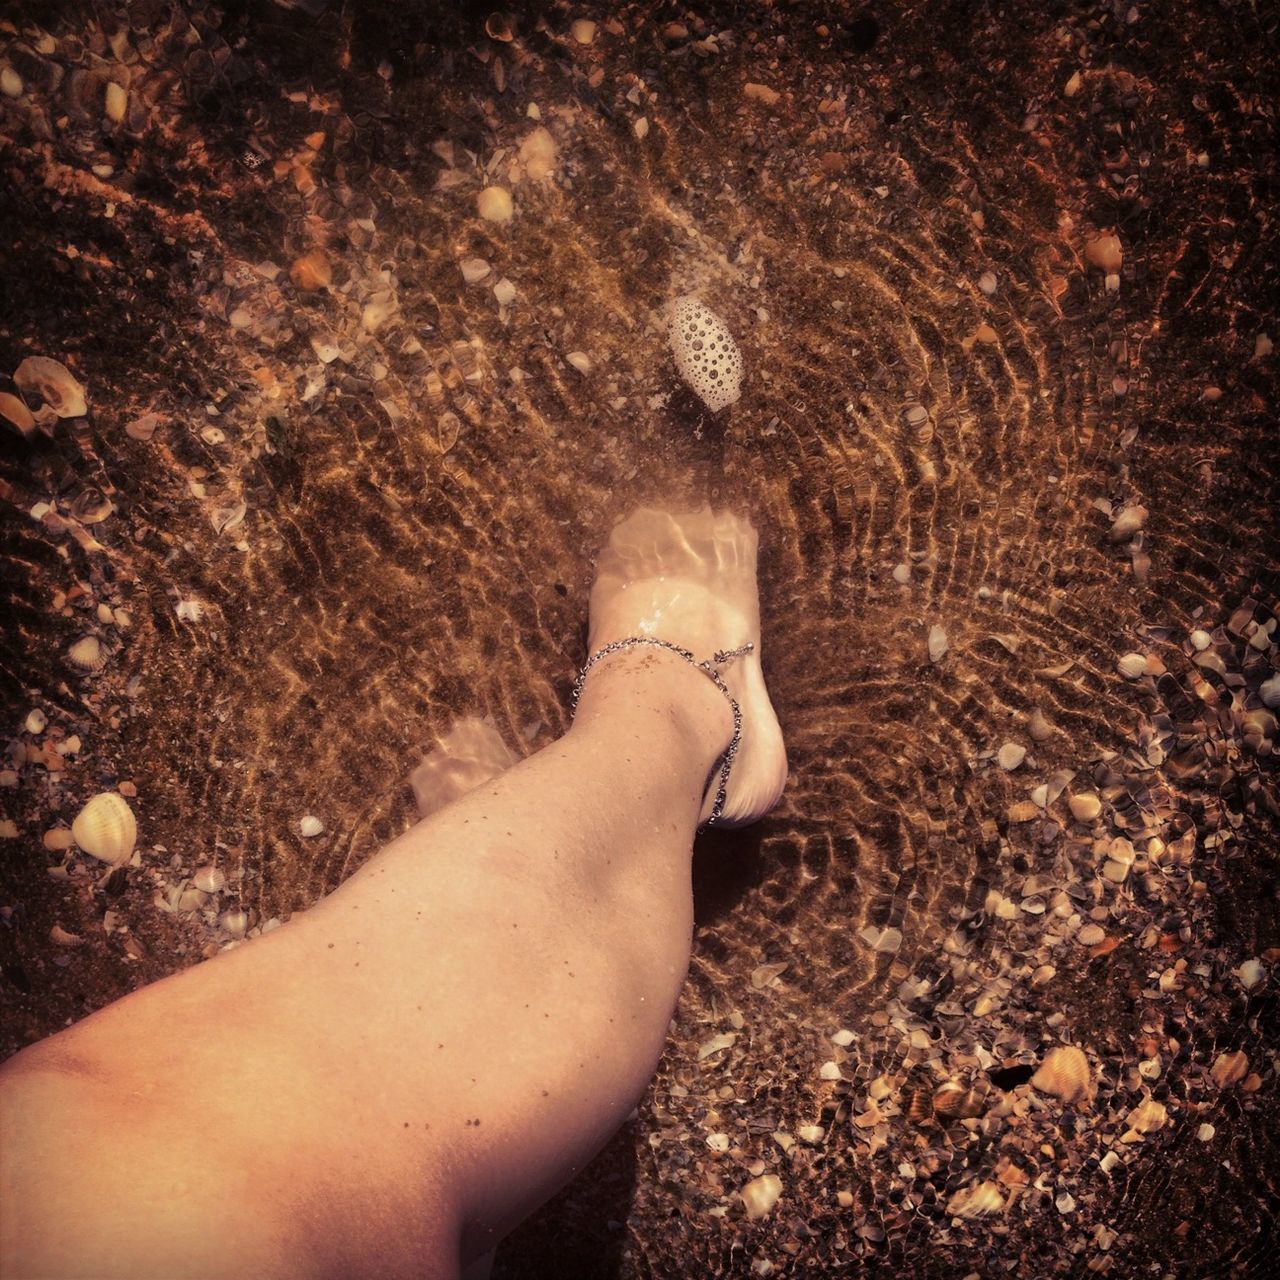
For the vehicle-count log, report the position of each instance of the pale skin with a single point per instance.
(397, 1077)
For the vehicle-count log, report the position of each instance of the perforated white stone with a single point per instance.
(705, 353)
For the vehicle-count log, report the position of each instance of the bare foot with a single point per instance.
(471, 753)
(691, 579)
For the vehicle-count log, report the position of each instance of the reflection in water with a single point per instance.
(990, 453)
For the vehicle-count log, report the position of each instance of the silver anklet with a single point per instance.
(708, 668)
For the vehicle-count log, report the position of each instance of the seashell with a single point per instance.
(448, 427)
(312, 271)
(505, 292)
(209, 879)
(1128, 522)
(977, 1201)
(1085, 806)
(10, 83)
(36, 721)
(106, 828)
(1132, 665)
(497, 26)
(1250, 974)
(14, 411)
(761, 1194)
(1090, 935)
(705, 353)
(917, 1102)
(953, 1101)
(60, 937)
(1022, 811)
(538, 155)
(1011, 755)
(1066, 1074)
(1269, 690)
(583, 30)
(234, 922)
(1039, 727)
(1205, 1132)
(434, 388)
(580, 361)
(493, 204)
(1228, 1068)
(87, 654)
(1147, 1117)
(310, 826)
(938, 644)
(53, 383)
(886, 940)
(473, 269)
(142, 428)
(91, 506)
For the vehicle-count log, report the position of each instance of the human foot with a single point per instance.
(691, 579)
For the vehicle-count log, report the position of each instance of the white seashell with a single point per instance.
(538, 155)
(902, 574)
(1039, 727)
(209, 879)
(35, 721)
(843, 1038)
(1011, 755)
(1200, 640)
(234, 922)
(189, 610)
(1147, 1117)
(14, 411)
(830, 1071)
(53, 383)
(310, 826)
(887, 940)
(580, 361)
(705, 353)
(473, 269)
(1090, 935)
(1205, 1132)
(1132, 665)
(1085, 806)
(494, 204)
(1250, 974)
(977, 1201)
(87, 654)
(106, 828)
(505, 292)
(761, 1194)
(811, 1133)
(937, 642)
(1269, 690)
(1065, 1073)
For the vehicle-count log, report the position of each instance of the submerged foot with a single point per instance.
(691, 579)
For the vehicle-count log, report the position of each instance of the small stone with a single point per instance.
(583, 31)
(1262, 346)
(1085, 806)
(813, 1134)
(1132, 665)
(310, 826)
(8, 829)
(494, 204)
(1072, 87)
(1200, 640)
(761, 93)
(1104, 253)
(641, 127)
(1010, 756)
(761, 1194)
(117, 101)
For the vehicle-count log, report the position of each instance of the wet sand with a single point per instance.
(367, 502)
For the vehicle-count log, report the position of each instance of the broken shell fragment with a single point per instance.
(91, 506)
(580, 361)
(538, 155)
(505, 292)
(106, 828)
(87, 654)
(1104, 253)
(60, 937)
(1039, 727)
(761, 1194)
(473, 269)
(311, 271)
(1065, 1073)
(1147, 1117)
(1250, 974)
(977, 1201)
(310, 826)
(234, 922)
(1132, 665)
(15, 412)
(1128, 522)
(937, 642)
(53, 383)
(142, 428)
(1011, 755)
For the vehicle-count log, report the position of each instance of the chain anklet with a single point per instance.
(708, 668)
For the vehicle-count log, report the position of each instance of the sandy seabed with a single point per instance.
(999, 277)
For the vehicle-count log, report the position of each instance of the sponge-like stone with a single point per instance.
(705, 353)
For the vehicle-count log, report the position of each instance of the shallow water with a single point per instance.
(422, 501)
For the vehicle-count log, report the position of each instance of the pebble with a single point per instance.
(310, 826)
(830, 1071)
(36, 721)
(1039, 727)
(10, 83)
(1011, 755)
(1200, 640)
(1085, 806)
(1105, 253)
(1205, 1132)
(494, 204)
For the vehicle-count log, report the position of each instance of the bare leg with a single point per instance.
(396, 1078)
